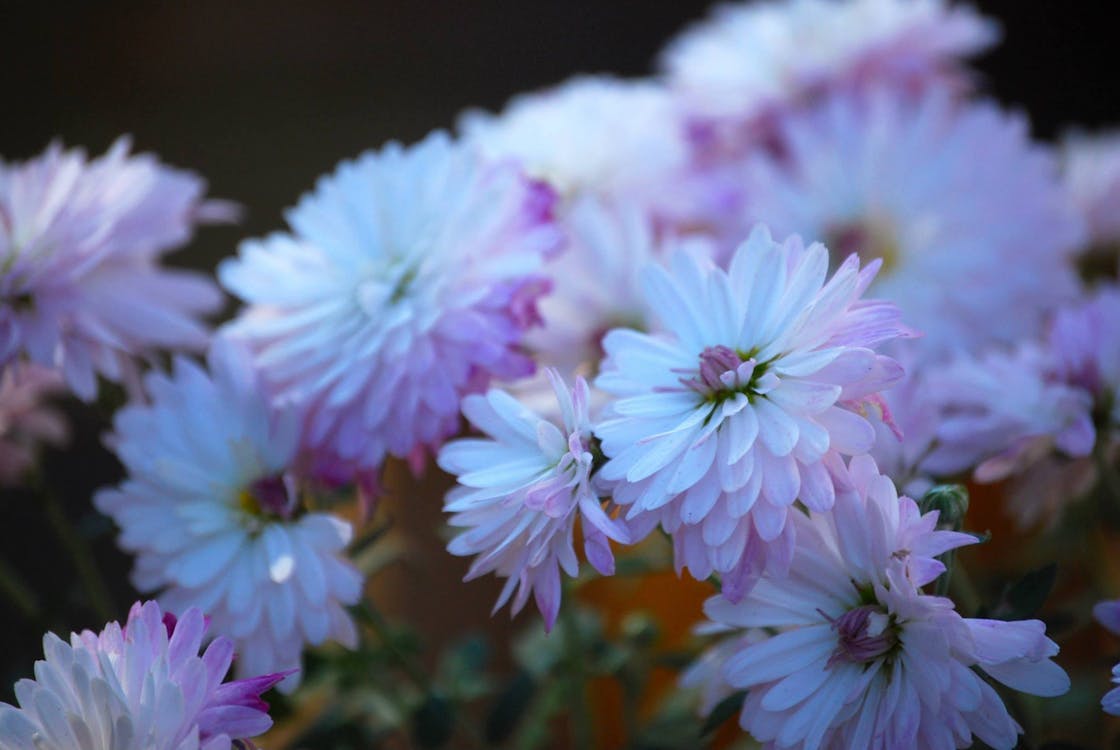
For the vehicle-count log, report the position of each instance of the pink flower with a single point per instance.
(745, 402)
(80, 286)
(408, 280)
(859, 656)
(140, 687)
(27, 420)
(521, 491)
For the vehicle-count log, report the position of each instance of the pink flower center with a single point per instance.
(724, 372)
(273, 496)
(866, 633)
(869, 239)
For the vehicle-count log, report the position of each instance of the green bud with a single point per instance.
(950, 501)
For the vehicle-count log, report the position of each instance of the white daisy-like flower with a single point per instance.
(752, 61)
(972, 256)
(597, 135)
(743, 406)
(859, 657)
(213, 513)
(521, 491)
(142, 686)
(407, 281)
(1091, 173)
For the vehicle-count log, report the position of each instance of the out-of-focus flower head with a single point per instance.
(906, 427)
(408, 280)
(1108, 615)
(27, 420)
(596, 135)
(522, 489)
(1091, 172)
(860, 656)
(1084, 346)
(81, 288)
(140, 687)
(898, 180)
(746, 402)
(214, 514)
(748, 64)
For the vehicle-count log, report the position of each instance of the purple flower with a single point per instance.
(894, 178)
(859, 656)
(214, 509)
(521, 491)
(140, 687)
(746, 401)
(81, 289)
(408, 280)
(27, 420)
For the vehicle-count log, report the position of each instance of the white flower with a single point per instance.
(743, 406)
(522, 490)
(213, 514)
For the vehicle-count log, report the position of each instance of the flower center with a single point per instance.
(869, 239)
(725, 373)
(272, 497)
(865, 633)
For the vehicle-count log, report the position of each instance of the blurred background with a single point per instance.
(261, 97)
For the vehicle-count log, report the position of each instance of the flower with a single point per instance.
(140, 687)
(597, 283)
(706, 673)
(595, 135)
(80, 241)
(26, 419)
(1091, 173)
(897, 180)
(750, 62)
(744, 404)
(1111, 700)
(1108, 615)
(522, 490)
(860, 657)
(212, 510)
(1084, 344)
(408, 280)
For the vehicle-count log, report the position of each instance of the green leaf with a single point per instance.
(433, 721)
(510, 707)
(724, 710)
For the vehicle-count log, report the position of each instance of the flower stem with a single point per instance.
(94, 584)
(373, 619)
(1109, 478)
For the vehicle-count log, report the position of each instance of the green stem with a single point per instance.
(576, 677)
(18, 592)
(1108, 476)
(95, 588)
(958, 584)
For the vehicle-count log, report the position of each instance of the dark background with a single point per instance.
(261, 97)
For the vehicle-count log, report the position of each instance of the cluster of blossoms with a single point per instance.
(743, 303)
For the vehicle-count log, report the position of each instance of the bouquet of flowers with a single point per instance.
(780, 389)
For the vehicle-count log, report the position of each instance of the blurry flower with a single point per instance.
(408, 280)
(597, 283)
(595, 135)
(1084, 344)
(905, 431)
(1111, 700)
(140, 687)
(213, 513)
(861, 657)
(898, 180)
(80, 242)
(750, 62)
(27, 421)
(521, 491)
(1091, 172)
(747, 402)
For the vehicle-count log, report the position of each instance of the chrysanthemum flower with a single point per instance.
(1108, 615)
(1091, 172)
(407, 281)
(522, 489)
(1084, 346)
(896, 179)
(743, 405)
(140, 687)
(214, 514)
(27, 421)
(750, 62)
(597, 283)
(595, 135)
(80, 242)
(861, 657)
